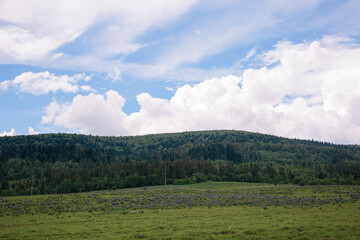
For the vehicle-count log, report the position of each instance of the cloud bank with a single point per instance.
(307, 90)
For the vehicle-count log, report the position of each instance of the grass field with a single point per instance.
(199, 211)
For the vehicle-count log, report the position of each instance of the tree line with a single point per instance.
(63, 163)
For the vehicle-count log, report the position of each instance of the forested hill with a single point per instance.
(50, 163)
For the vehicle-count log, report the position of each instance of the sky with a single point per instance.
(117, 68)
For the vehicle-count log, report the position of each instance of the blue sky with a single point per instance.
(288, 68)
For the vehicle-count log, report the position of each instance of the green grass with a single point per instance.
(92, 215)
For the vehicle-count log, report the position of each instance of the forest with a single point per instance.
(64, 163)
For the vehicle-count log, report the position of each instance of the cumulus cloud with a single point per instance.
(306, 90)
(94, 113)
(31, 131)
(11, 133)
(44, 82)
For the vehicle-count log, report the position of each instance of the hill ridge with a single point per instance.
(62, 162)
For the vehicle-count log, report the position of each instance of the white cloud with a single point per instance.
(114, 75)
(44, 82)
(33, 31)
(308, 90)
(51, 112)
(207, 105)
(249, 55)
(11, 133)
(87, 88)
(96, 114)
(170, 89)
(31, 131)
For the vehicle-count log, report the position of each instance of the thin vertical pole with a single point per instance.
(165, 172)
(32, 184)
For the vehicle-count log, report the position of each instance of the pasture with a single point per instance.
(211, 210)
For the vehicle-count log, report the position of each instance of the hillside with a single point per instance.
(59, 163)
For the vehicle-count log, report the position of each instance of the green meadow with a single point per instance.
(211, 210)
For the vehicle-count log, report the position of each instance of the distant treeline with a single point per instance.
(63, 163)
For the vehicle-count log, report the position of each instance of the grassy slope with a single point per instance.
(247, 221)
